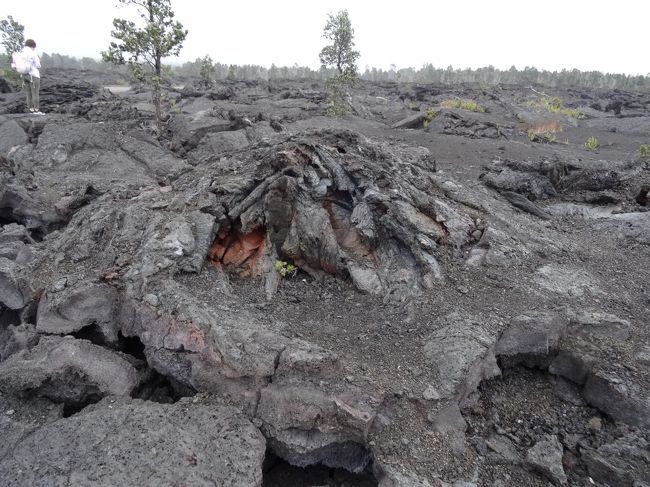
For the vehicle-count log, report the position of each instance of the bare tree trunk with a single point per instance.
(156, 102)
(157, 81)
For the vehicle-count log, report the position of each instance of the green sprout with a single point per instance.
(285, 269)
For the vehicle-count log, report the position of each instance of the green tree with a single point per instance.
(13, 35)
(207, 68)
(341, 56)
(143, 47)
(340, 53)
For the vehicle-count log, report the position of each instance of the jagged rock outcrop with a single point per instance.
(334, 202)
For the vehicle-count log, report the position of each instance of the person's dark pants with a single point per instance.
(32, 89)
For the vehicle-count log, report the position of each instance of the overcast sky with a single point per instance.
(609, 36)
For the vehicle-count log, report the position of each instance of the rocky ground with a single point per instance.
(468, 305)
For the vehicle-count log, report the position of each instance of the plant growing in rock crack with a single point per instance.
(592, 143)
(285, 269)
(428, 116)
(340, 54)
(336, 94)
(143, 47)
(644, 150)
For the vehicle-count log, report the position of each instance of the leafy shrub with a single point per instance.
(336, 91)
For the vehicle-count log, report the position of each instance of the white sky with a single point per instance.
(604, 35)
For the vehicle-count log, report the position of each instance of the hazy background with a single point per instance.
(609, 36)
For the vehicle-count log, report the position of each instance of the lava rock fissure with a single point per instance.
(280, 473)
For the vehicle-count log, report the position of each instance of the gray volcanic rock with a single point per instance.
(308, 425)
(546, 457)
(391, 477)
(525, 204)
(624, 462)
(68, 370)
(15, 338)
(63, 311)
(13, 232)
(623, 400)
(15, 290)
(35, 210)
(415, 121)
(531, 335)
(589, 323)
(312, 447)
(534, 186)
(11, 135)
(80, 154)
(19, 418)
(462, 354)
(124, 442)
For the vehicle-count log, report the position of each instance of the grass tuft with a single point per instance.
(469, 105)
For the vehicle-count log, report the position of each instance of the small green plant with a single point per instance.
(285, 269)
(546, 137)
(592, 143)
(549, 138)
(428, 116)
(644, 150)
(469, 105)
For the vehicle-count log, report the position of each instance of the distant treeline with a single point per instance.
(427, 74)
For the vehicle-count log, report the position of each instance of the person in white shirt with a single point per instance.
(32, 80)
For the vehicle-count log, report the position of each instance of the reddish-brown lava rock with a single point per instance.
(237, 251)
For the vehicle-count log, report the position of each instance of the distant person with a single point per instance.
(28, 64)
